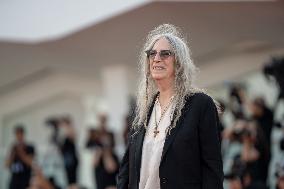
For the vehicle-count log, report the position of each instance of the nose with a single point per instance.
(157, 57)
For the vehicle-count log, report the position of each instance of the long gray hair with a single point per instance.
(185, 72)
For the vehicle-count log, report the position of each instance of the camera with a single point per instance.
(93, 139)
(239, 134)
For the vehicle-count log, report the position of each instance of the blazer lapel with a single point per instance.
(170, 137)
(139, 141)
(138, 150)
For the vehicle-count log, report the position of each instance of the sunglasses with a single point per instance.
(164, 54)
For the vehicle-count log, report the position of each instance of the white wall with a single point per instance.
(222, 69)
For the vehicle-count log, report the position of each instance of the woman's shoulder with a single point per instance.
(200, 97)
(201, 101)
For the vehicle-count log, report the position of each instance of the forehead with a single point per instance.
(162, 44)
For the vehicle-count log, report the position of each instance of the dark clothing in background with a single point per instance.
(259, 168)
(263, 145)
(103, 178)
(256, 185)
(70, 159)
(266, 123)
(20, 171)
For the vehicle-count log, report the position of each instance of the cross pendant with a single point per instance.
(156, 132)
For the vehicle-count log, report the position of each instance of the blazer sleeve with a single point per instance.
(210, 145)
(123, 174)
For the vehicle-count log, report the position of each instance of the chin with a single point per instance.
(157, 76)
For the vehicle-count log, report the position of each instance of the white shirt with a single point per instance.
(153, 148)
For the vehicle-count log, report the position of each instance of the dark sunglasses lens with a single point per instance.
(152, 53)
(165, 54)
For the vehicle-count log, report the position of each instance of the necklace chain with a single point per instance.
(156, 131)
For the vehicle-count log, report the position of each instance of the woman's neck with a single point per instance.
(166, 91)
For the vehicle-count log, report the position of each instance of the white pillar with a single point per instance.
(115, 94)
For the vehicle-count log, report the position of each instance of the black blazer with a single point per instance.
(191, 157)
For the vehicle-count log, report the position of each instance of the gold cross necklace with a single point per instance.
(156, 131)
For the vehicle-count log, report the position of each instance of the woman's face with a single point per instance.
(162, 60)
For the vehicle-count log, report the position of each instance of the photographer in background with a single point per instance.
(105, 160)
(93, 139)
(255, 152)
(263, 115)
(20, 160)
(67, 146)
(69, 151)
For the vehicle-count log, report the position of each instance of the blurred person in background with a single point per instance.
(175, 139)
(39, 181)
(264, 118)
(263, 115)
(258, 111)
(20, 160)
(105, 160)
(103, 131)
(240, 176)
(69, 150)
(250, 183)
(254, 150)
(234, 176)
(93, 139)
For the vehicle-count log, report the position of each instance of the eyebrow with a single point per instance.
(162, 49)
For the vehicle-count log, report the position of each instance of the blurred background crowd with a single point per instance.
(68, 79)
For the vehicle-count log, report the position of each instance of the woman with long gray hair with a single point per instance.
(174, 142)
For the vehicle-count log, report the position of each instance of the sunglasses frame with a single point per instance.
(162, 56)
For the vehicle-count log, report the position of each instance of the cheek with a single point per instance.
(171, 66)
(172, 69)
(149, 66)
